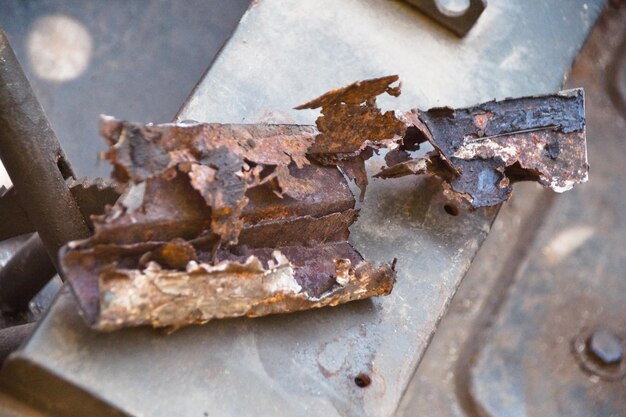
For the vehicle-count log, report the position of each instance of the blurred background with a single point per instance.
(133, 59)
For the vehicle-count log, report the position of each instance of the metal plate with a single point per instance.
(571, 283)
(282, 54)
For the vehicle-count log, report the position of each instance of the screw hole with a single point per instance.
(362, 380)
(451, 209)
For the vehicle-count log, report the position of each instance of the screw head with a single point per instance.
(606, 347)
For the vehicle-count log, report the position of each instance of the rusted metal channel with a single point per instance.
(218, 221)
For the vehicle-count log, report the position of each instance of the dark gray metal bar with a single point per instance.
(26, 273)
(34, 159)
(12, 337)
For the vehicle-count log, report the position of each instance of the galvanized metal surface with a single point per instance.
(315, 363)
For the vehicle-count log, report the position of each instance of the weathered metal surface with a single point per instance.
(171, 298)
(350, 119)
(539, 357)
(174, 266)
(480, 150)
(439, 387)
(459, 22)
(497, 143)
(90, 195)
(26, 273)
(306, 364)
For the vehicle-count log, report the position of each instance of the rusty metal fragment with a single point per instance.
(480, 151)
(497, 143)
(194, 236)
(222, 161)
(264, 282)
(351, 126)
(350, 118)
(221, 220)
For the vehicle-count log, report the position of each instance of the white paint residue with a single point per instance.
(566, 242)
(59, 48)
(566, 186)
(487, 147)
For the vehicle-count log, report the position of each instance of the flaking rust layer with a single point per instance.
(479, 151)
(190, 239)
(221, 220)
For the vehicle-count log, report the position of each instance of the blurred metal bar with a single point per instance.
(26, 273)
(34, 159)
(12, 337)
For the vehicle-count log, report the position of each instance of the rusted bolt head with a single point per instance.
(606, 347)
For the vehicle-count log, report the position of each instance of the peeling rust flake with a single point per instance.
(229, 220)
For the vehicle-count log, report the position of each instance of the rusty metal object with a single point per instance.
(497, 143)
(479, 150)
(232, 288)
(188, 220)
(350, 119)
(185, 200)
(221, 161)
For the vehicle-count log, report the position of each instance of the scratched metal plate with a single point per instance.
(286, 52)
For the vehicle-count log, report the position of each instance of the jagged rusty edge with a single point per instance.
(80, 259)
(221, 160)
(479, 169)
(497, 143)
(228, 289)
(350, 121)
(355, 103)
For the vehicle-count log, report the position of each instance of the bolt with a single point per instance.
(606, 347)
